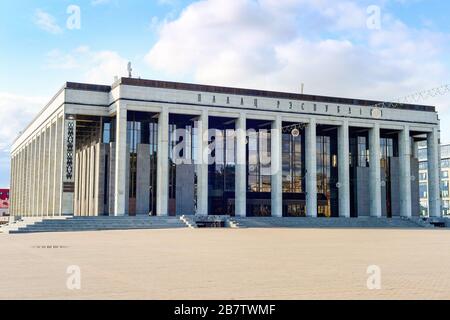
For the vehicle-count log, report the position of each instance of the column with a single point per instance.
(434, 196)
(344, 170)
(32, 177)
(69, 165)
(202, 166)
(311, 169)
(43, 181)
(51, 168)
(375, 171)
(21, 182)
(76, 196)
(91, 196)
(58, 173)
(83, 181)
(11, 187)
(162, 169)
(276, 167)
(404, 148)
(29, 177)
(121, 166)
(36, 175)
(241, 167)
(12, 191)
(25, 181)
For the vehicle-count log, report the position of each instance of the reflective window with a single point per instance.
(292, 163)
(324, 175)
(423, 190)
(259, 164)
(444, 189)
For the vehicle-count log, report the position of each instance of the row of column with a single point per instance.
(36, 174)
(89, 186)
(276, 156)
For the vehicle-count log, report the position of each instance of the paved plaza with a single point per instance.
(227, 264)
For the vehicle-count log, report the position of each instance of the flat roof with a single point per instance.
(242, 92)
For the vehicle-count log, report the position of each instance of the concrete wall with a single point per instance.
(395, 186)
(363, 191)
(185, 189)
(415, 196)
(143, 180)
(383, 193)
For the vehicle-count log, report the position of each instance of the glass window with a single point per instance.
(423, 190)
(423, 176)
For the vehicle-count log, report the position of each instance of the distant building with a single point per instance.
(4, 202)
(423, 179)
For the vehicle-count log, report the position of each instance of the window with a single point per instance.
(422, 154)
(423, 165)
(444, 189)
(362, 152)
(259, 165)
(292, 163)
(423, 190)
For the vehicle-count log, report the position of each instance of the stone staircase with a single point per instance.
(74, 224)
(305, 222)
(13, 226)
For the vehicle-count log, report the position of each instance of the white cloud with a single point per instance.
(16, 111)
(99, 2)
(104, 66)
(94, 66)
(46, 22)
(277, 45)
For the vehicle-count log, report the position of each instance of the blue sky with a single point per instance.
(268, 44)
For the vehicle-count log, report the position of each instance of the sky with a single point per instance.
(374, 49)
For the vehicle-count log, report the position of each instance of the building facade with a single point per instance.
(4, 202)
(423, 175)
(145, 147)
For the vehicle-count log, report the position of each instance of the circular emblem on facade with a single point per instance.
(295, 132)
(383, 183)
(376, 113)
(413, 178)
(338, 185)
(251, 168)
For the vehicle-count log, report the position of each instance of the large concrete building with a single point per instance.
(115, 150)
